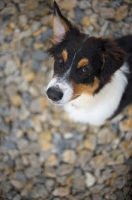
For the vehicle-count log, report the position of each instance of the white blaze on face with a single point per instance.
(64, 86)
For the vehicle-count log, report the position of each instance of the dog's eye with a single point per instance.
(84, 69)
(60, 60)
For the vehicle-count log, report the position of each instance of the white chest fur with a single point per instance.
(97, 109)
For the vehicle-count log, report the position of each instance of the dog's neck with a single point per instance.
(96, 109)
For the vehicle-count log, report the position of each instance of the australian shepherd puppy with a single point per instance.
(92, 76)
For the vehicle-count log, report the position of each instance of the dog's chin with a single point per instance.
(58, 103)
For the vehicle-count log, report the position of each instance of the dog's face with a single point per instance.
(83, 64)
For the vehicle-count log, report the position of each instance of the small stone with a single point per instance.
(45, 145)
(61, 191)
(107, 13)
(64, 169)
(32, 4)
(85, 21)
(126, 125)
(51, 161)
(35, 106)
(68, 6)
(35, 66)
(68, 135)
(39, 55)
(1, 5)
(16, 100)
(50, 172)
(46, 136)
(90, 179)
(28, 75)
(35, 26)
(84, 157)
(121, 13)
(10, 145)
(23, 20)
(32, 171)
(105, 136)
(90, 142)
(120, 159)
(69, 156)
(17, 184)
(8, 31)
(39, 191)
(119, 182)
(10, 67)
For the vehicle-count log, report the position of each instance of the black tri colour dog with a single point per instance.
(92, 76)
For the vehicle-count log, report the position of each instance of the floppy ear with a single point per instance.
(60, 25)
(113, 58)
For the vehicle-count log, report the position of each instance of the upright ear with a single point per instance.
(113, 58)
(60, 25)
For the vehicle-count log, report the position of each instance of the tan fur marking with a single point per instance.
(85, 89)
(64, 55)
(83, 62)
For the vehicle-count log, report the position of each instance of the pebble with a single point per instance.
(105, 136)
(61, 191)
(121, 13)
(69, 156)
(126, 125)
(39, 55)
(68, 6)
(10, 67)
(107, 13)
(90, 179)
(90, 142)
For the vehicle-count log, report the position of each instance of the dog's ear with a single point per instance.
(113, 58)
(60, 25)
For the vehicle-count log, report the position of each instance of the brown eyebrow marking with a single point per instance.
(64, 55)
(83, 62)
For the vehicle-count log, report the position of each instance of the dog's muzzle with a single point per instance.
(54, 93)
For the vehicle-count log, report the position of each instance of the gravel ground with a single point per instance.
(43, 155)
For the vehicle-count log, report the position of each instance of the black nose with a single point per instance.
(54, 93)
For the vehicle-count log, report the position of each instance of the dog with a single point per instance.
(92, 76)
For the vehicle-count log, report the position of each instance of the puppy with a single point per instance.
(92, 76)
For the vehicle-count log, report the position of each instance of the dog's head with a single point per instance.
(83, 64)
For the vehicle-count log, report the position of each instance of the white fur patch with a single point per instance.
(65, 87)
(97, 109)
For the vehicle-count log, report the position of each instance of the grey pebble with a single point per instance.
(39, 55)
